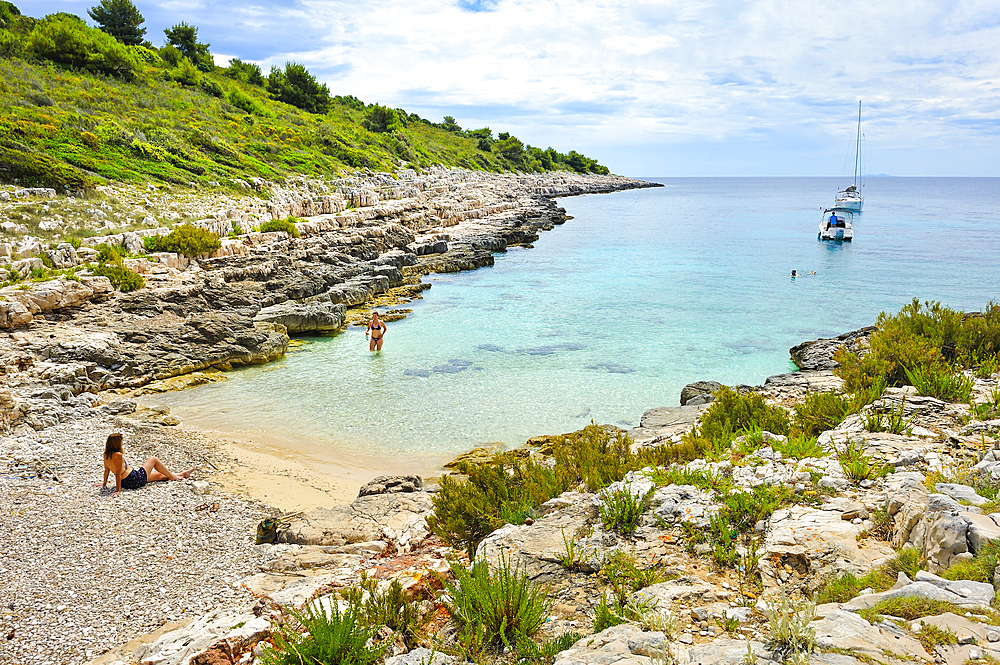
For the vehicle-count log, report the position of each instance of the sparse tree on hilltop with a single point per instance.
(120, 19)
(296, 86)
(184, 38)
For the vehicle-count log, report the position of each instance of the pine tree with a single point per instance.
(184, 38)
(120, 19)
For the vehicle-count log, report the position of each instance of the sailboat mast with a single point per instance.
(857, 150)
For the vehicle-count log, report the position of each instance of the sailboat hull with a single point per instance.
(849, 201)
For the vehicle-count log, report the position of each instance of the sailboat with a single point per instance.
(850, 198)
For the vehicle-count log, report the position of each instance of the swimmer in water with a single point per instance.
(376, 328)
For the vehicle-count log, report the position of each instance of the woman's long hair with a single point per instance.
(114, 445)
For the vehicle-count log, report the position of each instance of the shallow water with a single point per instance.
(613, 312)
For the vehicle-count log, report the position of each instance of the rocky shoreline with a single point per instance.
(88, 575)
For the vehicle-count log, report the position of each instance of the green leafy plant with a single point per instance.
(820, 412)
(931, 636)
(732, 413)
(287, 225)
(621, 510)
(888, 418)
(857, 465)
(324, 636)
(111, 264)
(607, 614)
(799, 446)
(495, 610)
(942, 382)
(980, 568)
(988, 366)
(571, 558)
(387, 607)
(529, 653)
(790, 632)
(625, 577)
(189, 240)
(848, 586)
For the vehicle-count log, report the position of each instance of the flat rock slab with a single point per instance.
(398, 518)
(805, 545)
(666, 422)
(846, 630)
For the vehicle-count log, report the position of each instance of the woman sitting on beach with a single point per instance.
(376, 327)
(132, 478)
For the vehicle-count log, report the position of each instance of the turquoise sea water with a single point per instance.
(613, 312)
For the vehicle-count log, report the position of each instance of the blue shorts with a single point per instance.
(134, 480)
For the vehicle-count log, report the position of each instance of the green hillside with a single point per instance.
(80, 106)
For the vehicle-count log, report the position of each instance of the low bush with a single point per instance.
(621, 510)
(848, 586)
(287, 225)
(495, 610)
(909, 608)
(857, 465)
(387, 607)
(978, 569)
(942, 382)
(189, 240)
(67, 40)
(328, 637)
(791, 636)
(821, 412)
(800, 446)
(733, 413)
(887, 418)
(110, 264)
(931, 636)
(607, 614)
(507, 488)
(625, 577)
(529, 653)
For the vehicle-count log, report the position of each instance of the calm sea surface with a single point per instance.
(613, 312)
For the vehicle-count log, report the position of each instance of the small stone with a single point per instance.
(966, 638)
(992, 636)
(686, 638)
(700, 614)
(200, 487)
(974, 654)
(866, 483)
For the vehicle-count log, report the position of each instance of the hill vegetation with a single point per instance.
(83, 104)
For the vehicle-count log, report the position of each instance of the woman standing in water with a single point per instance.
(376, 328)
(132, 478)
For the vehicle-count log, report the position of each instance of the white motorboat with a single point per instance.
(850, 197)
(837, 225)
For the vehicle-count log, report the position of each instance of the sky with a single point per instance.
(666, 88)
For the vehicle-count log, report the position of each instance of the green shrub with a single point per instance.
(248, 72)
(625, 577)
(495, 610)
(790, 632)
(732, 413)
(529, 653)
(379, 118)
(621, 510)
(607, 614)
(942, 382)
(329, 637)
(857, 465)
(980, 568)
(931, 636)
(388, 607)
(189, 240)
(72, 43)
(988, 366)
(888, 419)
(493, 494)
(287, 225)
(211, 86)
(121, 277)
(243, 101)
(821, 412)
(799, 446)
(596, 456)
(909, 608)
(921, 335)
(296, 86)
(848, 586)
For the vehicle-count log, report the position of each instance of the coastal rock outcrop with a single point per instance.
(818, 354)
(313, 317)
